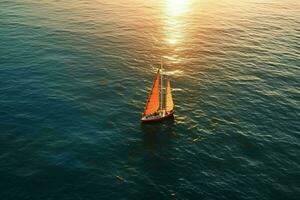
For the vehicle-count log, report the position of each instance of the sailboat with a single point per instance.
(157, 107)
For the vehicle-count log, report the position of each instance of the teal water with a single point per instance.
(75, 75)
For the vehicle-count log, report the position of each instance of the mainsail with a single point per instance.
(153, 101)
(169, 99)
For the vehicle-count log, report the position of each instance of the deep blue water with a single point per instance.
(75, 76)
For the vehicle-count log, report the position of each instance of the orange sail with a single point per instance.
(169, 99)
(153, 101)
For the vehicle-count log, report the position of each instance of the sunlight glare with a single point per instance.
(176, 7)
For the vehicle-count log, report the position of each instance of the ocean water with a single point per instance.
(75, 76)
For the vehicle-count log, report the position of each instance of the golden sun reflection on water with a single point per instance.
(174, 25)
(177, 7)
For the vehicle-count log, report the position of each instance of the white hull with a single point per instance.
(162, 114)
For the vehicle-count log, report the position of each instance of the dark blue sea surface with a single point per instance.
(75, 76)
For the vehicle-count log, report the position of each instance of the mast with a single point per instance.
(161, 85)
